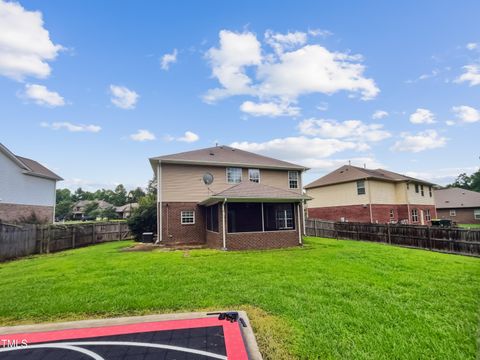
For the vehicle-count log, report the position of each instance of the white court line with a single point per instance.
(87, 352)
(73, 345)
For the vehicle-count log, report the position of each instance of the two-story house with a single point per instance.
(228, 198)
(27, 189)
(357, 194)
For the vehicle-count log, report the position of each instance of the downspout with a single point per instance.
(299, 222)
(159, 203)
(303, 218)
(408, 202)
(370, 201)
(54, 200)
(223, 225)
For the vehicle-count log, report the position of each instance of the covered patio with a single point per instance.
(254, 216)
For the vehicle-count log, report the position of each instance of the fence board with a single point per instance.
(23, 240)
(452, 240)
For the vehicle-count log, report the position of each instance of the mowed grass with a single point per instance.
(470, 226)
(329, 300)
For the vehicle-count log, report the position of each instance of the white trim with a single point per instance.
(299, 226)
(259, 175)
(303, 218)
(226, 175)
(453, 212)
(182, 216)
(224, 235)
(263, 219)
(298, 179)
(159, 203)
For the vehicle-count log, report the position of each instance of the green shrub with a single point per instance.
(144, 218)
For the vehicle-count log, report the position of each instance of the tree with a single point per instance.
(467, 182)
(119, 196)
(92, 209)
(144, 218)
(152, 187)
(135, 195)
(63, 209)
(109, 213)
(63, 195)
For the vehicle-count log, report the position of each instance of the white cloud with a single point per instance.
(294, 69)
(42, 96)
(168, 59)
(379, 114)
(271, 109)
(466, 113)
(424, 140)
(142, 135)
(123, 97)
(422, 116)
(323, 106)
(71, 127)
(319, 32)
(188, 137)
(353, 130)
(450, 122)
(471, 75)
(441, 176)
(472, 46)
(25, 45)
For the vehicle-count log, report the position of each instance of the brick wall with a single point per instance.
(262, 240)
(462, 216)
(16, 213)
(175, 232)
(359, 213)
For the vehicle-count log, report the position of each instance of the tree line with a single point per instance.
(467, 182)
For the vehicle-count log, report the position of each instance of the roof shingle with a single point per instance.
(454, 198)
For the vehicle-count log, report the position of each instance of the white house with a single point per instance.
(26, 188)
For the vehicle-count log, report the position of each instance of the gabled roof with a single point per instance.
(127, 207)
(30, 167)
(102, 204)
(455, 198)
(349, 173)
(226, 156)
(250, 191)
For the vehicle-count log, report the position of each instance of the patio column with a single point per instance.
(299, 227)
(224, 232)
(159, 203)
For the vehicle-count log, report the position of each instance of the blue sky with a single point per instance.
(84, 89)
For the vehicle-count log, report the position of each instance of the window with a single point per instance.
(187, 217)
(278, 217)
(414, 215)
(234, 175)
(421, 190)
(392, 214)
(476, 214)
(244, 217)
(361, 187)
(293, 179)
(211, 217)
(428, 217)
(430, 191)
(416, 188)
(254, 175)
(453, 213)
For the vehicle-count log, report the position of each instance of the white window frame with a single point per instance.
(228, 177)
(364, 187)
(415, 215)
(284, 219)
(250, 171)
(476, 214)
(428, 216)
(184, 214)
(392, 214)
(291, 179)
(453, 212)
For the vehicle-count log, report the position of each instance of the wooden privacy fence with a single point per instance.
(452, 240)
(23, 240)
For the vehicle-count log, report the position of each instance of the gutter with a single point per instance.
(223, 225)
(159, 203)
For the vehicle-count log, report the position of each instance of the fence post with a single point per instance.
(48, 239)
(429, 236)
(74, 228)
(388, 233)
(93, 233)
(315, 227)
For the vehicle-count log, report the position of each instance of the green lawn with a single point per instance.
(329, 300)
(470, 226)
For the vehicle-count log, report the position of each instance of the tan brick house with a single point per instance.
(357, 194)
(228, 198)
(459, 205)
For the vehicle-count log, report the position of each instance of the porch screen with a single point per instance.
(244, 217)
(211, 217)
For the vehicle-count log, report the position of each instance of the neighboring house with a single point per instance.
(78, 211)
(26, 188)
(228, 198)
(459, 205)
(126, 210)
(357, 194)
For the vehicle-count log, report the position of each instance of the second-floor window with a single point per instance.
(293, 178)
(414, 215)
(361, 187)
(421, 190)
(254, 175)
(234, 175)
(430, 191)
(416, 188)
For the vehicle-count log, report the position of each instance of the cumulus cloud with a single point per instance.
(142, 135)
(379, 114)
(471, 75)
(293, 69)
(71, 127)
(42, 96)
(466, 113)
(123, 97)
(354, 130)
(188, 137)
(25, 45)
(472, 46)
(424, 140)
(168, 59)
(422, 116)
(271, 109)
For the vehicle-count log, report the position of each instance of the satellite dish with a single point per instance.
(207, 178)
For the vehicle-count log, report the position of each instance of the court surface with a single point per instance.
(185, 337)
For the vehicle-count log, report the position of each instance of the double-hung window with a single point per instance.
(234, 175)
(187, 217)
(430, 191)
(428, 216)
(293, 180)
(453, 213)
(416, 188)
(361, 187)
(284, 217)
(414, 215)
(476, 214)
(254, 175)
(392, 214)
(421, 190)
